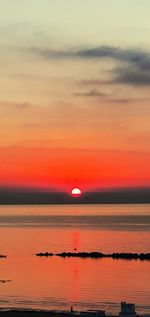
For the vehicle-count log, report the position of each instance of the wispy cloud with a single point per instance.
(92, 82)
(17, 105)
(133, 64)
(103, 97)
(90, 93)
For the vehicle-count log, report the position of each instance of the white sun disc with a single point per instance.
(76, 192)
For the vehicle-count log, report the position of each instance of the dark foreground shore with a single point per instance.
(32, 313)
(125, 311)
(36, 313)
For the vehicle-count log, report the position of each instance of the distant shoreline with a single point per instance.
(108, 196)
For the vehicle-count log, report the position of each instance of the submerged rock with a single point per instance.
(44, 254)
(99, 255)
(5, 281)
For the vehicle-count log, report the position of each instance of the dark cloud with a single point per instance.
(135, 56)
(132, 55)
(133, 68)
(133, 76)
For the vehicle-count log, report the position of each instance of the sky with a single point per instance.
(75, 97)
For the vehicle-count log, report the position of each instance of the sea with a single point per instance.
(31, 282)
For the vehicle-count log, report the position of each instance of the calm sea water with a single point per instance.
(56, 283)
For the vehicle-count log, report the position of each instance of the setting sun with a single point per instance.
(76, 192)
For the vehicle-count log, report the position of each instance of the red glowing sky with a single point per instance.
(64, 168)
